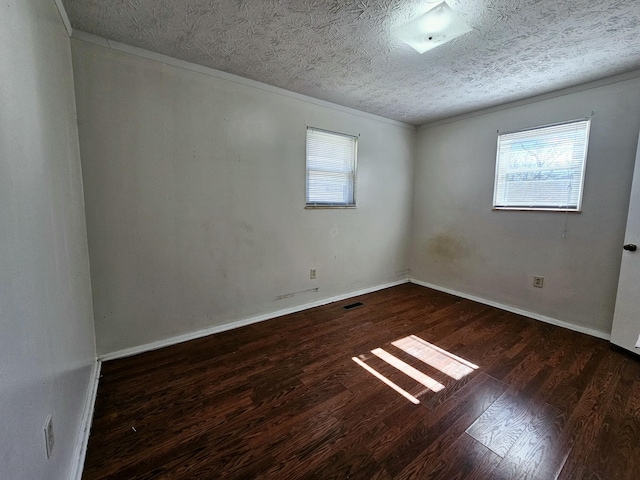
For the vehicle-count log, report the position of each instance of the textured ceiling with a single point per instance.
(345, 51)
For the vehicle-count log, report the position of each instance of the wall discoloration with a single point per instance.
(289, 295)
(451, 255)
(447, 247)
(231, 240)
(453, 188)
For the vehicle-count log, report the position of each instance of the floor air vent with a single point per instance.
(353, 305)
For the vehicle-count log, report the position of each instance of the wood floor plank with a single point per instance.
(283, 399)
(586, 418)
(538, 452)
(465, 459)
(423, 444)
(615, 443)
(509, 416)
(629, 428)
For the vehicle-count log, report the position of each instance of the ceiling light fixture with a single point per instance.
(437, 26)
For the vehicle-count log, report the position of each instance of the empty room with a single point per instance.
(319, 239)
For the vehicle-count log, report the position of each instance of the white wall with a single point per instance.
(195, 190)
(459, 243)
(47, 347)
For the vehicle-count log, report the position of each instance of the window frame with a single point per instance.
(353, 173)
(561, 208)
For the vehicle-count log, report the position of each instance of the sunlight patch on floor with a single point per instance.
(448, 363)
(408, 370)
(432, 355)
(381, 377)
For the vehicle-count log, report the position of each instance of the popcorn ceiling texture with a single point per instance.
(345, 51)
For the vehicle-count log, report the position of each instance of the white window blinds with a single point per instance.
(331, 168)
(542, 168)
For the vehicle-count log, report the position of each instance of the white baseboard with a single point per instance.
(80, 450)
(526, 313)
(127, 352)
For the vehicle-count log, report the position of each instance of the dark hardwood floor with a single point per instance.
(285, 399)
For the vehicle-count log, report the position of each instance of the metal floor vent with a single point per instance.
(353, 305)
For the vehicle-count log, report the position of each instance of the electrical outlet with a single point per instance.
(538, 282)
(312, 274)
(49, 439)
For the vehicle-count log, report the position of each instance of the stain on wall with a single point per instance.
(450, 253)
(446, 247)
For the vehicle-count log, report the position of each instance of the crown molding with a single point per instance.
(623, 77)
(64, 17)
(158, 57)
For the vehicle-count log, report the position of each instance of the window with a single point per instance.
(331, 169)
(542, 168)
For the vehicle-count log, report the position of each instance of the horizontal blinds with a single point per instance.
(331, 161)
(542, 167)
